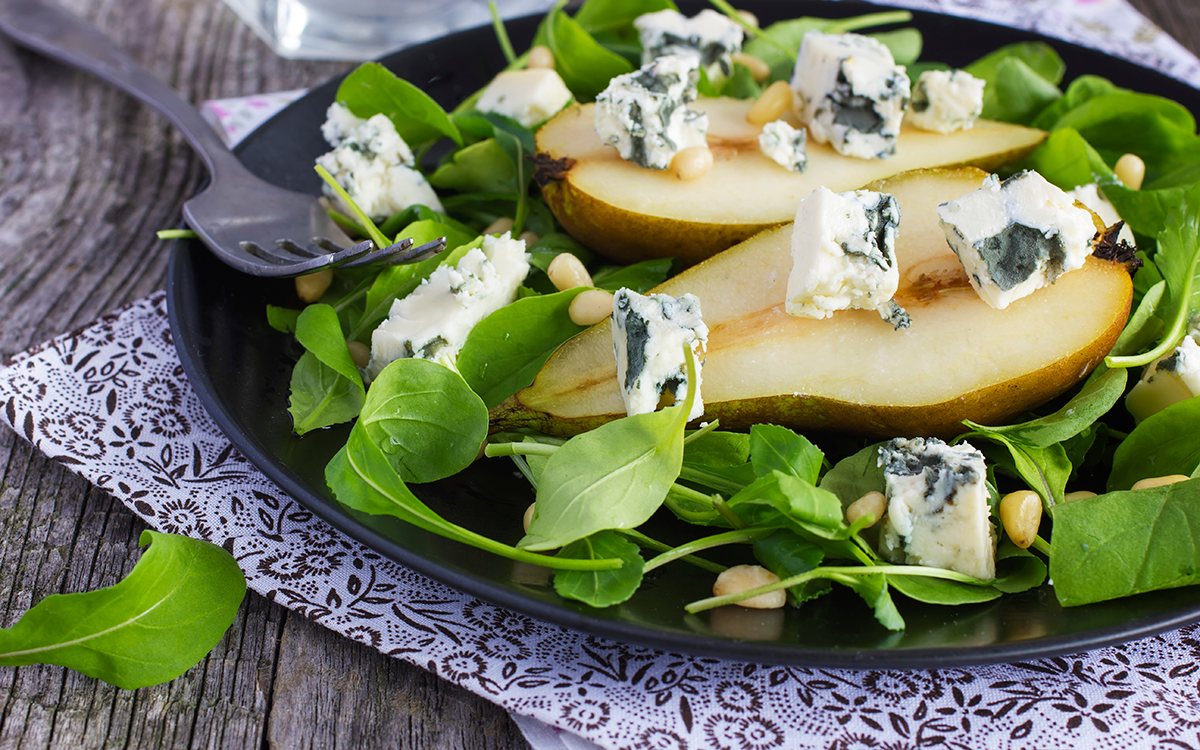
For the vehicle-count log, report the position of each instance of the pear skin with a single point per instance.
(960, 359)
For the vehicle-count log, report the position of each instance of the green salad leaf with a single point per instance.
(372, 89)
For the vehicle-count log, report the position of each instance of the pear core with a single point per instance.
(630, 213)
(960, 359)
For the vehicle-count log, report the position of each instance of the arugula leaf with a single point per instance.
(1143, 327)
(372, 89)
(1125, 543)
(425, 419)
(613, 477)
(585, 66)
(505, 350)
(326, 388)
(717, 448)
(774, 448)
(640, 277)
(550, 246)
(1165, 443)
(600, 588)
(1094, 401)
(154, 625)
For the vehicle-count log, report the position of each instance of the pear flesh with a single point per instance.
(630, 213)
(960, 359)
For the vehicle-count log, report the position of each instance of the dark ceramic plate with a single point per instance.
(241, 368)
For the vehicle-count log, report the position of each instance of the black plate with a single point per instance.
(240, 368)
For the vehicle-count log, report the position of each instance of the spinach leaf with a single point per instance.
(772, 44)
(585, 66)
(598, 16)
(363, 479)
(505, 350)
(741, 85)
(482, 167)
(1016, 570)
(282, 319)
(372, 89)
(1037, 56)
(718, 448)
(518, 152)
(904, 44)
(550, 246)
(785, 553)
(326, 388)
(1165, 443)
(1125, 543)
(613, 477)
(774, 448)
(1044, 469)
(640, 277)
(1083, 89)
(424, 419)
(1094, 401)
(779, 500)
(600, 588)
(154, 625)
(1017, 93)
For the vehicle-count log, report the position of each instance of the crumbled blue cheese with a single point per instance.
(433, 321)
(1169, 379)
(938, 512)
(1090, 196)
(1017, 236)
(852, 92)
(530, 96)
(945, 100)
(784, 145)
(649, 335)
(708, 34)
(844, 256)
(374, 166)
(645, 114)
(339, 123)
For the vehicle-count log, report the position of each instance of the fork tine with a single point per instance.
(424, 252)
(297, 249)
(327, 244)
(402, 253)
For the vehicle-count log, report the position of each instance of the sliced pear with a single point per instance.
(630, 213)
(852, 372)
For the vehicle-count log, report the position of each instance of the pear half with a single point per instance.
(852, 372)
(630, 213)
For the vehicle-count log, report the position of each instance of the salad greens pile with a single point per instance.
(771, 490)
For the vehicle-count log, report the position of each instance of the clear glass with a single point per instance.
(364, 29)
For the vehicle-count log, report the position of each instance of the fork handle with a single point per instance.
(63, 36)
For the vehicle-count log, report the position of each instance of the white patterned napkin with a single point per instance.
(112, 403)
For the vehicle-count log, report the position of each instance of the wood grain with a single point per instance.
(86, 176)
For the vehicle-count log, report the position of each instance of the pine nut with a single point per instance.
(773, 103)
(1021, 514)
(310, 287)
(741, 578)
(1151, 482)
(530, 239)
(757, 67)
(499, 226)
(541, 57)
(749, 17)
(528, 519)
(1131, 170)
(590, 307)
(692, 163)
(872, 504)
(1078, 495)
(567, 272)
(359, 352)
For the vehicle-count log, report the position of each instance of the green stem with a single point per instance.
(176, 234)
(702, 431)
(372, 231)
(1041, 545)
(739, 536)
(710, 479)
(523, 467)
(834, 573)
(654, 544)
(501, 33)
(1178, 326)
(519, 449)
(727, 513)
(754, 31)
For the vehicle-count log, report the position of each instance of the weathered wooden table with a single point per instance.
(86, 177)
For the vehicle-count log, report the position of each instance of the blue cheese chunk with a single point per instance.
(852, 92)
(433, 321)
(530, 96)
(784, 145)
(938, 512)
(645, 114)
(374, 166)
(1017, 236)
(649, 335)
(844, 256)
(709, 34)
(945, 101)
(339, 123)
